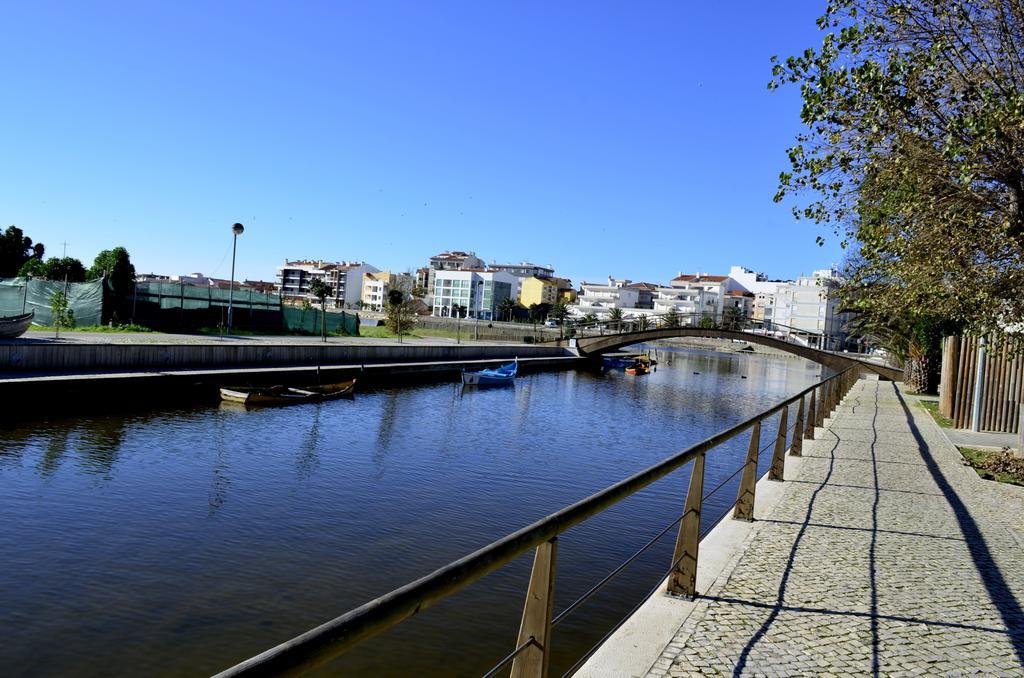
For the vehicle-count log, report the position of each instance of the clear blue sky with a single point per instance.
(632, 139)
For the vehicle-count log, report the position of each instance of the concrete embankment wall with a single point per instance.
(27, 357)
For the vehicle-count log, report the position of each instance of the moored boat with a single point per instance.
(15, 325)
(500, 376)
(639, 368)
(287, 395)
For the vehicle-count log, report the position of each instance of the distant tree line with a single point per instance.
(20, 256)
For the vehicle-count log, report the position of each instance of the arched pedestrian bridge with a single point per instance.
(835, 361)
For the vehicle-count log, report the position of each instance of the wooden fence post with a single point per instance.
(536, 624)
(683, 580)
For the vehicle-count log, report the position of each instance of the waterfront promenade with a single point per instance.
(883, 555)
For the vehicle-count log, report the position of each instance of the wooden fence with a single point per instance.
(1001, 387)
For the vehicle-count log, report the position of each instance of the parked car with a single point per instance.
(550, 322)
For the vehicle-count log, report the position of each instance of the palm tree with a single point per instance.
(506, 307)
(643, 322)
(615, 318)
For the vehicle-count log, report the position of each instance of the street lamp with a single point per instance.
(237, 230)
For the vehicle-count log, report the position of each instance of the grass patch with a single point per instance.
(1000, 466)
(382, 332)
(933, 407)
(105, 329)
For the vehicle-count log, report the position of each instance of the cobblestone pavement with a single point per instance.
(886, 555)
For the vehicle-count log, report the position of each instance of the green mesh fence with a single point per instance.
(22, 295)
(309, 321)
(193, 297)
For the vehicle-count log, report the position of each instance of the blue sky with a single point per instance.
(627, 139)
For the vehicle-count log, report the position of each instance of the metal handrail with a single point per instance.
(331, 639)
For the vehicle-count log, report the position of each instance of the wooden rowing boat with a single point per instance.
(287, 395)
(15, 325)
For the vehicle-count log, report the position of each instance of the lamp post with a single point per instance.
(237, 230)
(479, 307)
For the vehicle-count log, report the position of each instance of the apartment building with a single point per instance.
(600, 298)
(345, 278)
(377, 285)
(454, 260)
(472, 293)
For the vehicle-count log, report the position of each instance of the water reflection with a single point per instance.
(179, 542)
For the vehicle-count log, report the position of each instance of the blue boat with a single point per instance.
(499, 376)
(615, 362)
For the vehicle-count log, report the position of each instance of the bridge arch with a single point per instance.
(598, 345)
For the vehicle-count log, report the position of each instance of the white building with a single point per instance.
(376, 286)
(454, 260)
(471, 293)
(345, 279)
(808, 305)
(600, 298)
(522, 271)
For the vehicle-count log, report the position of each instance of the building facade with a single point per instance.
(377, 285)
(471, 293)
(345, 278)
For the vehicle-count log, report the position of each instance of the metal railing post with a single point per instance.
(797, 449)
(778, 468)
(811, 417)
(748, 481)
(683, 580)
(536, 623)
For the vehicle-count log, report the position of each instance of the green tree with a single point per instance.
(116, 265)
(615, 318)
(914, 148)
(321, 290)
(34, 268)
(588, 319)
(643, 322)
(506, 306)
(16, 249)
(63, 315)
(400, 313)
(733, 319)
(671, 319)
(707, 323)
(66, 268)
(560, 312)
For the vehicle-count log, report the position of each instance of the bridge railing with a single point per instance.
(531, 653)
(724, 321)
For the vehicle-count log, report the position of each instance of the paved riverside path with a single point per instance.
(885, 556)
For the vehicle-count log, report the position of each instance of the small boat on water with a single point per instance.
(500, 376)
(641, 365)
(15, 325)
(287, 395)
(625, 361)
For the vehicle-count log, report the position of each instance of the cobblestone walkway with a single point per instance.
(886, 556)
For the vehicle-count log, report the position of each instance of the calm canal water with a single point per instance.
(180, 542)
